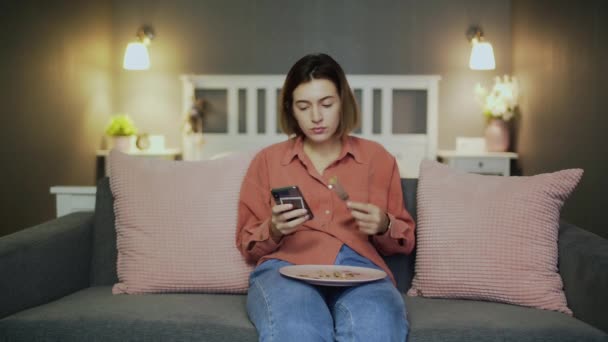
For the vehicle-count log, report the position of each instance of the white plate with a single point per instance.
(332, 275)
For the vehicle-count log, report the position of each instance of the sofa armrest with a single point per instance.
(45, 262)
(583, 265)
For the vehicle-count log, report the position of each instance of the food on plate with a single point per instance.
(321, 274)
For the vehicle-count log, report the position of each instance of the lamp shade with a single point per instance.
(482, 56)
(136, 57)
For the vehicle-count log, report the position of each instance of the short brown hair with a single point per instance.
(318, 66)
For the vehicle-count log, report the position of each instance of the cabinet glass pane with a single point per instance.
(261, 111)
(215, 119)
(377, 119)
(359, 98)
(278, 104)
(242, 111)
(409, 111)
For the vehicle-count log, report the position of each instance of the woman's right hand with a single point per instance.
(286, 220)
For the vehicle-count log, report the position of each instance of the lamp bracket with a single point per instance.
(474, 32)
(145, 33)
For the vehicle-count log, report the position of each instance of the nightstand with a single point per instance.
(70, 199)
(487, 163)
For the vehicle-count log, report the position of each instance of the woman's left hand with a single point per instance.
(370, 218)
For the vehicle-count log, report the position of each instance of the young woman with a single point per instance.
(318, 111)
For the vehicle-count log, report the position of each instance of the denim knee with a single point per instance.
(284, 309)
(371, 312)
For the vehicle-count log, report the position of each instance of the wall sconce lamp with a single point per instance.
(136, 55)
(482, 54)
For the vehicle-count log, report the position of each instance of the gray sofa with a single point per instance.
(56, 278)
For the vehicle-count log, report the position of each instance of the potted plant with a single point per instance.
(498, 106)
(120, 129)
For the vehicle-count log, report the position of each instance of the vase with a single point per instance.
(192, 146)
(497, 136)
(122, 143)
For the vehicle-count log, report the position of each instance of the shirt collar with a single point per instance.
(296, 149)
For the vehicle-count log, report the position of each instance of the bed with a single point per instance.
(398, 111)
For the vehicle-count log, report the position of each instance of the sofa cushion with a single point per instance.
(176, 224)
(402, 265)
(446, 320)
(583, 265)
(103, 260)
(94, 314)
(490, 237)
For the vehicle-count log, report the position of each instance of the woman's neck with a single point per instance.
(323, 154)
(327, 149)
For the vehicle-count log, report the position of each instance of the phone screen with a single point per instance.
(291, 195)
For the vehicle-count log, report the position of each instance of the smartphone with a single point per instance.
(291, 194)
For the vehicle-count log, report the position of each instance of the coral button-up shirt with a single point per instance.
(366, 171)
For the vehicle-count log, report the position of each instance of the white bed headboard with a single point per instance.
(409, 149)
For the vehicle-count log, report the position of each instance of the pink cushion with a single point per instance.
(489, 237)
(176, 222)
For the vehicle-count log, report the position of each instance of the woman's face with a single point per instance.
(317, 109)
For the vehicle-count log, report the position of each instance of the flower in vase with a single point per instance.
(194, 117)
(501, 102)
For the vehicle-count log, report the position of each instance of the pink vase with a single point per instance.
(497, 136)
(122, 143)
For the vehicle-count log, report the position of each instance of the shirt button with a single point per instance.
(327, 212)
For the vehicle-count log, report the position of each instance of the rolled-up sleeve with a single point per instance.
(400, 237)
(254, 213)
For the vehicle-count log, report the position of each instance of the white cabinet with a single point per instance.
(71, 199)
(487, 163)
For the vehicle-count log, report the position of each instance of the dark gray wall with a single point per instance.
(560, 53)
(62, 76)
(55, 91)
(268, 36)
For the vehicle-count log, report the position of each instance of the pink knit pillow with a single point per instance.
(175, 224)
(489, 237)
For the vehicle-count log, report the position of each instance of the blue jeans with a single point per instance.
(285, 309)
